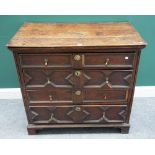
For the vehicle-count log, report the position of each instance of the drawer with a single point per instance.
(109, 60)
(58, 96)
(92, 60)
(101, 96)
(77, 114)
(48, 78)
(46, 60)
(67, 96)
(107, 79)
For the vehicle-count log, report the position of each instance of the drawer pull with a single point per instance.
(46, 62)
(105, 97)
(78, 92)
(50, 97)
(78, 109)
(77, 57)
(107, 61)
(77, 73)
(48, 81)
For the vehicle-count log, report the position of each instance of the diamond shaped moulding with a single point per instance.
(69, 78)
(78, 116)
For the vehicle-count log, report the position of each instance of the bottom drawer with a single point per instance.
(77, 114)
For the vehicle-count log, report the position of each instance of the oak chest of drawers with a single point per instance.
(77, 75)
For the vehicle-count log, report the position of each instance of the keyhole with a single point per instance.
(107, 80)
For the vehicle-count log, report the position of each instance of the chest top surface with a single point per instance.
(82, 34)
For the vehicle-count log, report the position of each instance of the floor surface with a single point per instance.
(13, 123)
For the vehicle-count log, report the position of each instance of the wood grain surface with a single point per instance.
(82, 34)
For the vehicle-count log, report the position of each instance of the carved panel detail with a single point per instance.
(108, 79)
(78, 114)
(27, 78)
(122, 114)
(34, 115)
(53, 119)
(69, 78)
(105, 119)
(39, 78)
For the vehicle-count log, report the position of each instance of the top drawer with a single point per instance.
(46, 60)
(78, 60)
(109, 60)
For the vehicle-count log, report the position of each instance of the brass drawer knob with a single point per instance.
(126, 57)
(107, 61)
(77, 73)
(78, 109)
(77, 57)
(46, 62)
(107, 81)
(78, 92)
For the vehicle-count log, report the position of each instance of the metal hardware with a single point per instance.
(46, 62)
(50, 97)
(77, 73)
(77, 108)
(126, 58)
(105, 97)
(107, 61)
(48, 81)
(107, 80)
(78, 92)
(77, 57)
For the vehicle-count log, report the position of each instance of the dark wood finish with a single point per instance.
(77, 114)
(54, 61)
(77, 75)
(117, 60)
(125, 130)
(31, 131)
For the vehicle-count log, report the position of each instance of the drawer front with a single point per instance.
(58, 96)
(77, 86)
(41, 78)
(97, 95)
(106, 60)
(46, 60)
(77, 114)
(46, 78)
(98, 60)
(107, 78)
(66, 96)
